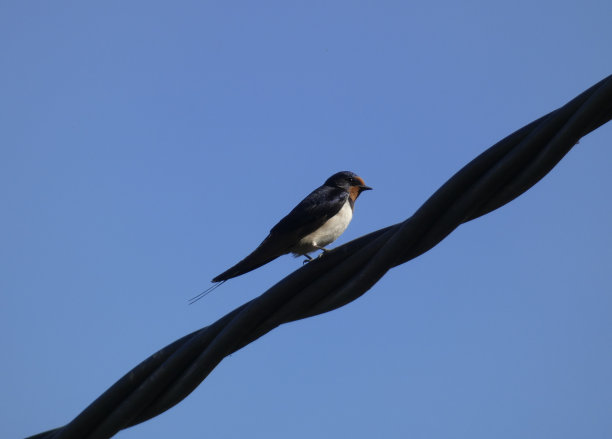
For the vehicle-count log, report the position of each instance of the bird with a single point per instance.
(318, 220)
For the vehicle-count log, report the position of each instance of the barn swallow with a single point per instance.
(318, 220)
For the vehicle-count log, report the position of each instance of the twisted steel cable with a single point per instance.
(494, 178)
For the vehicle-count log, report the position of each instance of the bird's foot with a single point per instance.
(323, 251)
(310, 258)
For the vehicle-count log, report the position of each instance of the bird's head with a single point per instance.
(348, 181)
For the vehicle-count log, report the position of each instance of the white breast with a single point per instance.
(327, 233)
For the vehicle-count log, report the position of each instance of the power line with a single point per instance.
(494, 178)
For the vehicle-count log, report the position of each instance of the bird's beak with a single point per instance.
(363, 187)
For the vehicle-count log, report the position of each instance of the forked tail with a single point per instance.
(266, 252)
(210, 289)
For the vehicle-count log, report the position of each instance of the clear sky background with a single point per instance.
(147, 146)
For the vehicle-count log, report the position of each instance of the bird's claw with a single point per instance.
(323, 252)
(310, 258)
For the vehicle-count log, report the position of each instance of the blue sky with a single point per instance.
(147, 146)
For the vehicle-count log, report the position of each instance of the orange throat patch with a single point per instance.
(354, 193)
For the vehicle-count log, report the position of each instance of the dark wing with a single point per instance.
(312, 212)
